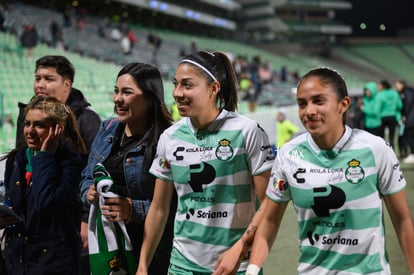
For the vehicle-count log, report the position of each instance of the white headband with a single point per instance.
(201, 67)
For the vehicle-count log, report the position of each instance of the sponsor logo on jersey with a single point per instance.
(297, 175)
(201, 173)
(354, 173)
(329, 224)
(210, 215)
(398, 167)
(203, 199)
(177, 153)
(325, 170)
(198, 149)
(270, 153)
(224, 151)
(325, 240)
(327, 198)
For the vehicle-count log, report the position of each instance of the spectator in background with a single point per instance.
(116, 34)
(266, 73)
(102, 25)
(193, 46)
(126, 44)
(48, 167)
(253, 70)
(285, 129)
(371, 109)
(390, 107)
(54, 76)
(407, 96)
(2, 19)
(67, 16)
(132, 37)
(55, 32)
(123, 150)
(246, 87)
(283, 75)
(29, 39)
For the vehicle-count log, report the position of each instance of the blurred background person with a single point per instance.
(406, 144)
(390, 106)
(29, 39)
(285, 129)
(371, 109)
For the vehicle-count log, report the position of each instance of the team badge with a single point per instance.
(280, 184)
(354, 173)
(224, 151)
(164, 164)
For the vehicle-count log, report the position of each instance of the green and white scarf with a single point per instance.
(110, 248)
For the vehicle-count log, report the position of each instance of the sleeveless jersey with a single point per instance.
(212, 172)
(337, 196)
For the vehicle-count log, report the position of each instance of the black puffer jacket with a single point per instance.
(48, 240)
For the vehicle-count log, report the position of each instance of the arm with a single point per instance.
(266, 232)
(155, 223)
(403, 224)
(229, 261)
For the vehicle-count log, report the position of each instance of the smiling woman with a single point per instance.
(217, 162)
(123, 150)
(42, 186)
(342, 175)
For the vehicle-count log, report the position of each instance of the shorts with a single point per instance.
(176, 270)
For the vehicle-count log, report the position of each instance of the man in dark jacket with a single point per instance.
(54, 76)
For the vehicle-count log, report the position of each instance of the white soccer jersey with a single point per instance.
(212, 172)
(337, 195)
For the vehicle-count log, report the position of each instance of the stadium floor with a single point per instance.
(284, 254)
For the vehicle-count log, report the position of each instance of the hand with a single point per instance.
(8, 218)
(84, 234)
(92, 196)
(116, 209)
(51, 142)
(229, 261)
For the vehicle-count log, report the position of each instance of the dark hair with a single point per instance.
(148, 78)
(385, 84)
(58, 113)
(63, 66)
(329, 77)
(219, 65)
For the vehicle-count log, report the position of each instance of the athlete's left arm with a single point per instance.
(403, 224)
(230, 260)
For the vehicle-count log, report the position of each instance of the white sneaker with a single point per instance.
(409, 159)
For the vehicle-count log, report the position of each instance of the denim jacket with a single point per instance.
(140, 185)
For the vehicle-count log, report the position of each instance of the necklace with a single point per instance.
(122, 143)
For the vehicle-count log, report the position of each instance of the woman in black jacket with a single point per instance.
(42, 187)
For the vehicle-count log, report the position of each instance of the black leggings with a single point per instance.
(409, 138)
(391, 123)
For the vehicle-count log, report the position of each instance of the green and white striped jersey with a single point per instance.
(212, 172)
(337, 196)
